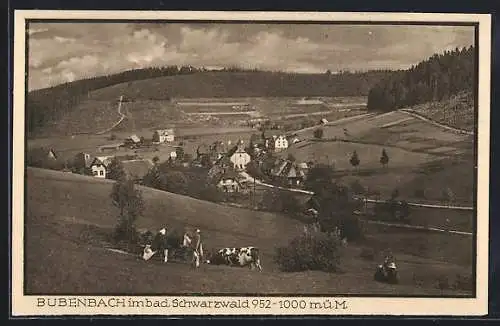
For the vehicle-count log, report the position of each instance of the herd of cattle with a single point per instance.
(165, 246)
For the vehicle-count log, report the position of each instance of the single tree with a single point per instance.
(384, 158)
(130, 204)
(318, 133)
(115, 170)
(180, 153)
(156, 137)
(354, 159)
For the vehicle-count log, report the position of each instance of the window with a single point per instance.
(101, 172)
(94, 172)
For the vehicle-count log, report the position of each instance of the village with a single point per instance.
(229, 165)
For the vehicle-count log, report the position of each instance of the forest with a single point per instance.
(437, 78)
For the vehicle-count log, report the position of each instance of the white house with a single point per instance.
(98, 168)
(280, 143)
(240, 158)
(163, 135)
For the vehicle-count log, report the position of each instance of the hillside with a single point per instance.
(67, 217)
(48, 106)
(458, 111)
(438, 78)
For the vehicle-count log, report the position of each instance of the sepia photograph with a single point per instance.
(294, 163)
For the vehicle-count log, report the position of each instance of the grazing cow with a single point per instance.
(245, 256)
(164, 243)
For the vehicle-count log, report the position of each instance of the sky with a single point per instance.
(64, 52)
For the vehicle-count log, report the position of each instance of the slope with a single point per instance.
(65, 214)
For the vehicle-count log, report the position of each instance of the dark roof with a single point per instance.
(95, 161)
(137, 168)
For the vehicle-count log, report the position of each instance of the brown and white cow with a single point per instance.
(241, 257)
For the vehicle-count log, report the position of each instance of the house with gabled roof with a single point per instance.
(295, 175)
(280, 143)
(163, 135)
(98, 168)
(132, 141)
(239, 157)
(229, 181)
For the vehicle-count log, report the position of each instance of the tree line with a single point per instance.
(437, 78)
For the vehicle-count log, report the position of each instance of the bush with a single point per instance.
(351, 228)
(310, 251)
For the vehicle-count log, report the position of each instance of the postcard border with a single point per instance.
(409, 306)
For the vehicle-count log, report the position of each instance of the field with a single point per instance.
(68, 215)
(339, 153)
(424, 160)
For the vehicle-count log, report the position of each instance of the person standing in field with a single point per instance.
(197, 248)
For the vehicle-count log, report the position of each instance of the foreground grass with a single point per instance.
(68, 216)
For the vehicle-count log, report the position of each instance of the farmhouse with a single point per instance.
(240, 158)
(293, 173)
(98, 168)
(295, 176)
(323, 121)
(106, 160)
(136, 169)
(163, 135)
(280, 143)
(229, 182)
(132, 141)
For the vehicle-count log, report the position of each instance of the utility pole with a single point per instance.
(254, 192)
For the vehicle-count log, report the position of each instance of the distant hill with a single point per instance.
(48, 106)
(438, 78)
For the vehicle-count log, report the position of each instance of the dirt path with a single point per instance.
(423, 118)
(116, 124)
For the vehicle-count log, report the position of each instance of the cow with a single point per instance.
(165, 244)
(241, 257)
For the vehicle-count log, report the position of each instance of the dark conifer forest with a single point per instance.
(435, 79)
